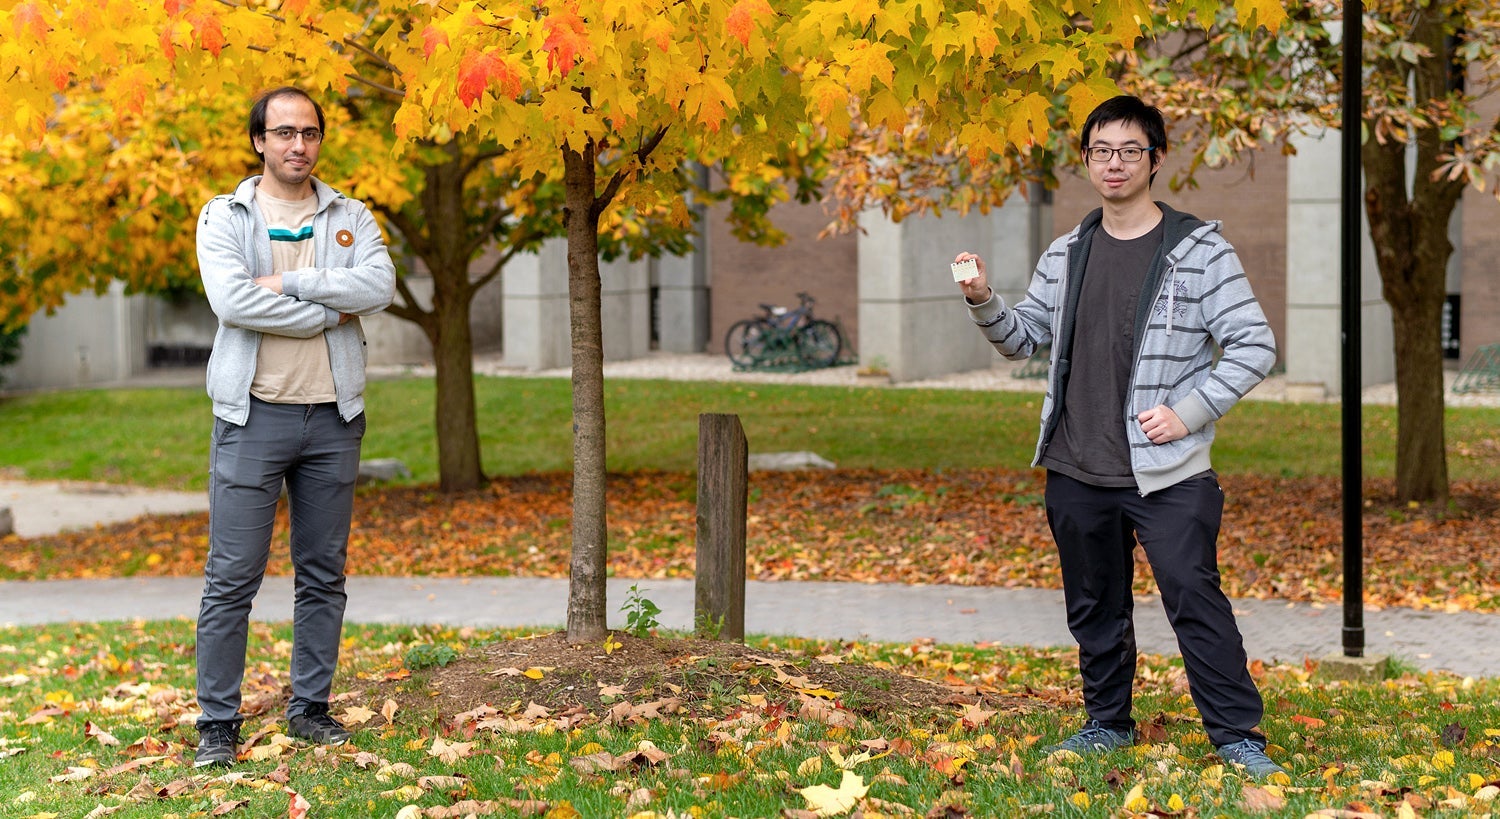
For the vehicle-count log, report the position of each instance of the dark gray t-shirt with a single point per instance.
(1089, 444)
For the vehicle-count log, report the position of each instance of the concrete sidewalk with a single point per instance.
(1464, 642)
(45, 507)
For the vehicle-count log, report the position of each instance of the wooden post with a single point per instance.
(723, 490)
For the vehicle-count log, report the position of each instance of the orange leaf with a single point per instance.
(26, 16)
(741, 21)
(299, 807)
(210, 34)
(432, 38)
(567, 39)
(1310, 722)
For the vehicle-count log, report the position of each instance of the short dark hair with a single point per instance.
(258, 111)
(1130, 110)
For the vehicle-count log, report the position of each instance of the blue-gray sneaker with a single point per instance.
(1251, 755)
(1094, 738)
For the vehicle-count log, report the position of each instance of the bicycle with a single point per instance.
(784, 336)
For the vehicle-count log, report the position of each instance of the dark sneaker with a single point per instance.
(218, 744)
(315, 725)
(1251, 755)
(1094, 738)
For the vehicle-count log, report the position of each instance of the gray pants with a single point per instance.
(316, 454)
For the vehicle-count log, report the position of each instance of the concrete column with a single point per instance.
(535, 324)
(92, 339)
(625, 308)
(1312, 348)
(682, 303)
(682, 296)
(911, 314)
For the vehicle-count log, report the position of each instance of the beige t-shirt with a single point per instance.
(291, 370)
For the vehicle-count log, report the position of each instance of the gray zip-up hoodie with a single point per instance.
(353, 275)
(1195, 296)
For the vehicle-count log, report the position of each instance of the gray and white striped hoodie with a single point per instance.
(1196, 299)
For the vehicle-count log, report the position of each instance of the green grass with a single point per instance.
(1422, 738)
(159, 437)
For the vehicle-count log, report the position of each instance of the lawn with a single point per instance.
(95, 720)
(159, 437)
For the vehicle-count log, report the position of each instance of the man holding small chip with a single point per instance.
(1134, 302)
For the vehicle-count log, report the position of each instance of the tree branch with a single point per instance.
(613, 187)
(409, 230)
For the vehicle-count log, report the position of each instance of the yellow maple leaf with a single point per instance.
(1268, 13)
(820, 692)
(279, 745)
(826, 801)
(356, 715)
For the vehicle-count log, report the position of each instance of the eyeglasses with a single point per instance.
(1129, 153)
(286, 133)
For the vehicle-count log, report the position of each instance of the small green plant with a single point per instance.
(1398, 667)
(428, 655)
(640, 612)
(709, 628)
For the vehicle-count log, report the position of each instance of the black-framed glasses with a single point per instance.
(1129, 153)
(287, 133)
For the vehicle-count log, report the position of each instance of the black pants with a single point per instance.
(1096, 529)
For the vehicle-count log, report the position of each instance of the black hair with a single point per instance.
(1130, 110)
(258, 111)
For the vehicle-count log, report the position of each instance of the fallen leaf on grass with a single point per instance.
(395, 770)
(133, 764)
(279, 745)
(146, 746)
(356, 715)
(976, 716)
(433, 783)
(826, 801)
(43, 714)
(821, 711)
(298, 806)
(449, 752)
(389, 711)
(404, 792)
(102, 810)
(72, 774)
(94, 732)
(228, 807)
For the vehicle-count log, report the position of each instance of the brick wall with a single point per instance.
(743, 275)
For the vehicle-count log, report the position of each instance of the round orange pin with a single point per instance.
(344, 238)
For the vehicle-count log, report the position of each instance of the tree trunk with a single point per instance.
(449, 330)
(459, 466)
(1410, 235)
(586, 586)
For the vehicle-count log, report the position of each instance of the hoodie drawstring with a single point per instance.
(1171, 293)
